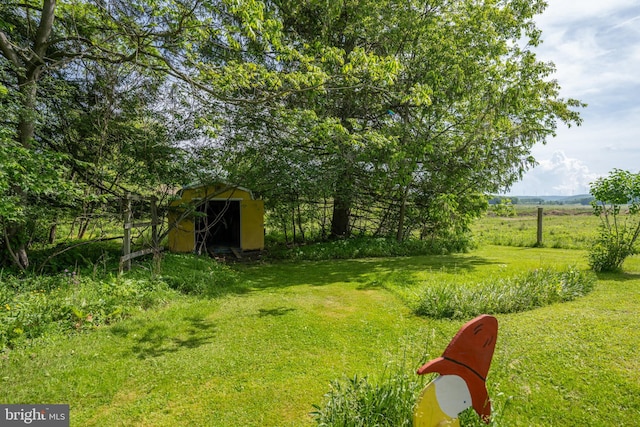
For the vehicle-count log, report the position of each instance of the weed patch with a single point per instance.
(523, 292)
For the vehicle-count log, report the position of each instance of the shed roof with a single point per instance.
(219, 185)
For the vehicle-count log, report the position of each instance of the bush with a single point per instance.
(607, 254)
(531, 290)
(618, 232)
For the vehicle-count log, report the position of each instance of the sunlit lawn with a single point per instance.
(263, 354)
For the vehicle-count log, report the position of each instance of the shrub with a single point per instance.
(525, 292)
(607, 254)
(618, 232)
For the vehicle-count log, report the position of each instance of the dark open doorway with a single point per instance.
(218, 226)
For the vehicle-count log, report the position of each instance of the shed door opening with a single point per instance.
(220, 227)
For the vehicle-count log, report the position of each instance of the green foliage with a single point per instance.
(39, 177)
(535, 289)
(361, 402)
(503, 207)
(84, 295)
(618, 233)
(33, 306)
(368, 247)
(606, 254)
(85, 256)
(407, 132)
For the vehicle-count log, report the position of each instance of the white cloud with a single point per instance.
(557, 175)
(594, 45)
(565, 12)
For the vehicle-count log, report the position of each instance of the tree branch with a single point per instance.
(44, 29)
(8, 51)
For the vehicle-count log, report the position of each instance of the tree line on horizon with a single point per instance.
(583, 199)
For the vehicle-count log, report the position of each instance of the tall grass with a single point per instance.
(199, 275)
(523, 292)
(560, 229)
(33, 306)
(362, 402)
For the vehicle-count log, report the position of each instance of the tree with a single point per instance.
(46, 47)
(429, 105)
(619, 230)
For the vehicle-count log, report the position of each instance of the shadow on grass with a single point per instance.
(619, 276)
(154, 339)
(276, 312)
(371, 273)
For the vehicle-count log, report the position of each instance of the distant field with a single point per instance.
(564, 226)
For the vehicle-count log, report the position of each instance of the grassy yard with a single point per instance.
(264, 352)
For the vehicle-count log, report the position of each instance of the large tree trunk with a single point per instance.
(341, 217)
(26, 131)
(18, 251)
(403, 211)
(27, 125)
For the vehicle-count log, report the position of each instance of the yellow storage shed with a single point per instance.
(216, 217)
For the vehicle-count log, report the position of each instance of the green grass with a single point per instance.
(359, 401)
(263, 348)
(561, 228)
(515, 294)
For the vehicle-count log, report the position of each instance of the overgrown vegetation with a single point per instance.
(360, 116)
(514, 294)
(83, 297)
(199, 276)
(384, 402)
(33, 306)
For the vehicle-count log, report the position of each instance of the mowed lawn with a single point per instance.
(264, 354)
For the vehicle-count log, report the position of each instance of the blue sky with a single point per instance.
(595, 45)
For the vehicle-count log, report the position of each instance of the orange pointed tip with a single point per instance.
(469, 355)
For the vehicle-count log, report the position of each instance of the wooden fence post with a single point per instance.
(539, 240)
(129, 224)
(154, 222)
(126, 242)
